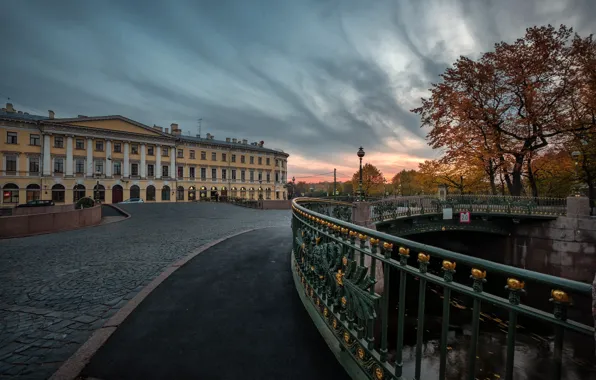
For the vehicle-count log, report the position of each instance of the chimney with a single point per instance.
(175, 130)
(244, 141)
(174, 126)
(50, 113)
(10, 108)
(167, 130)
(234, 140)
(227, 139)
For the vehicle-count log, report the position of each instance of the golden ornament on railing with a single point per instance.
(515, 284)
(344, 260)
(560, 296)
(303, 246)
(325, 312)
(374, 241)
(423, 258)
(346, 337)
(360, 352)
(339, 277)
(404, 251)
(353, 233)
(449, 265)
(344, 230)
(344, 301)
(312, 268)
(388, 246)
(478, 274)
(379, 374)
(361, 236)
(317, 240)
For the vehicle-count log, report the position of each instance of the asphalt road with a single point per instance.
(56, 289)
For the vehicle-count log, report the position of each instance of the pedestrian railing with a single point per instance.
(398, 207)
(345, 270)
(330, 207)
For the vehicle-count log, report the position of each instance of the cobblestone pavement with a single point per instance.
(56, 289)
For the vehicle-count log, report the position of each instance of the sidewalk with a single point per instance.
(231, 312)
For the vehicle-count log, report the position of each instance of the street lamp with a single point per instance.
(260, 190)
(576, 187)
(360, 155)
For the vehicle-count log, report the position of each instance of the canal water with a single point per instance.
(534, 340)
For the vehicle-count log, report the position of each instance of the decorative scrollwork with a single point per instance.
(356, 287)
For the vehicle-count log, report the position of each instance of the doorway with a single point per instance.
(117, 194)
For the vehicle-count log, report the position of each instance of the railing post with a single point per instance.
(578, 207)
(361, 214)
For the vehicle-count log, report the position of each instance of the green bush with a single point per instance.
(85, 202)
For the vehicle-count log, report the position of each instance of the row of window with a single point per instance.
(35, 139)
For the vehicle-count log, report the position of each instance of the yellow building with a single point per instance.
(115, 158)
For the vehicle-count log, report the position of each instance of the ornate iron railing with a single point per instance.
(398, 207)
(327, 206)
(345, 270)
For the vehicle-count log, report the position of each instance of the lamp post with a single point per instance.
(576, 185)
(360, 155)
(260, 190)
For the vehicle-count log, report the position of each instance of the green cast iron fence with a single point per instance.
(345, 270)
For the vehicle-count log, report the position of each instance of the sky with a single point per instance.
(316, 78)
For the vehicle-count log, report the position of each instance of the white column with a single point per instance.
(158, 162)
(47, 168)
(126, 165)
(89, 157)
(173, 169)
(108, 154)
(69, 165)
(143, 162)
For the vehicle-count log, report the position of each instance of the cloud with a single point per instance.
(314, 78)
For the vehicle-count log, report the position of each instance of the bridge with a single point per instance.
(353, 278)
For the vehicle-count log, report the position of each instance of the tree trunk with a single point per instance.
(516, 174)
(532, 179)
(491, 177)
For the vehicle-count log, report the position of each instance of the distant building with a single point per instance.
(116, 158)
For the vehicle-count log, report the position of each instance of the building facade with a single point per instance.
(114, 158)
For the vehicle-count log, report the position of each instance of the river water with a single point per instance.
(534, 340)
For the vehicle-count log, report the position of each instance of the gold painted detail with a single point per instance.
(312, 268)
(318, 240)
(347, 337)
(353, 234)
(379, 373)
(344, 301)
(318, 302)
(344, 260)
(423, 258)
(374, 241)
(387, 246)
(339, 277)
(515, 284)
(361, 236)
(478, 274)
(560, 296)
(326, 312)
(360, 352)
(334, 323)
(449, 265)
(404, 251)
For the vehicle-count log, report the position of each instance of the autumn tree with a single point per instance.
(509, 105)
(553, 173)
(372, 180)
(406, 182)
(348, 188)
(463, 178)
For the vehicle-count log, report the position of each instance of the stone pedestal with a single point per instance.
(361, 214)
(578, 207)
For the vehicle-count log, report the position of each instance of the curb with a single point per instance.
(126, 214)
(71, 368)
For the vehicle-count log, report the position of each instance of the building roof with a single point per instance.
(109, 117)
(239, 145)
(20, 116)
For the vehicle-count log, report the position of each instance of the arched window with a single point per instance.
(180, 193)
(10, 193)
(33, 192)
(243, 192)
(78, 192)
(192, 193)
(268, 193)
(203, 193)
(150, 193)
(135, 191)
(58, 193)
(99, 192)
(234, 192)
(165, 193)
(251, 193)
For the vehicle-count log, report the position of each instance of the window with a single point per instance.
(224, 157)
(150, 193)
(268, 177)
(203, 174)
(58, 165)
(11, 163)
(233, 174)
(58, 142)
(260, 160)
(99, 146)
(268, 161)
(80, 144)
(213, 156)
(34, 165)
(180, 193)
(78, 192)
(150, 170)
(180, 153)
(99, 192)
(203, 155)
(242, 175)
(33, 192)
(10, 193)
(252, 176)
(192, 172)
(233, 158)
(99, 167)
(165, 171)
(150, 150)
(117, 168)
(192, 154)
(180, 172)
(214, 174)
(252, 159)
(276, 177)
(224, 174)
(134, 169)
(11, 138)
(117, 148)
(165, 151)
(58, 193)
(80, 166)
(165, 193)
(134, 149)
(34, 140)
(260, 176)
(242, 159)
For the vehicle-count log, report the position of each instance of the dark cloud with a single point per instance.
(315, 78)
